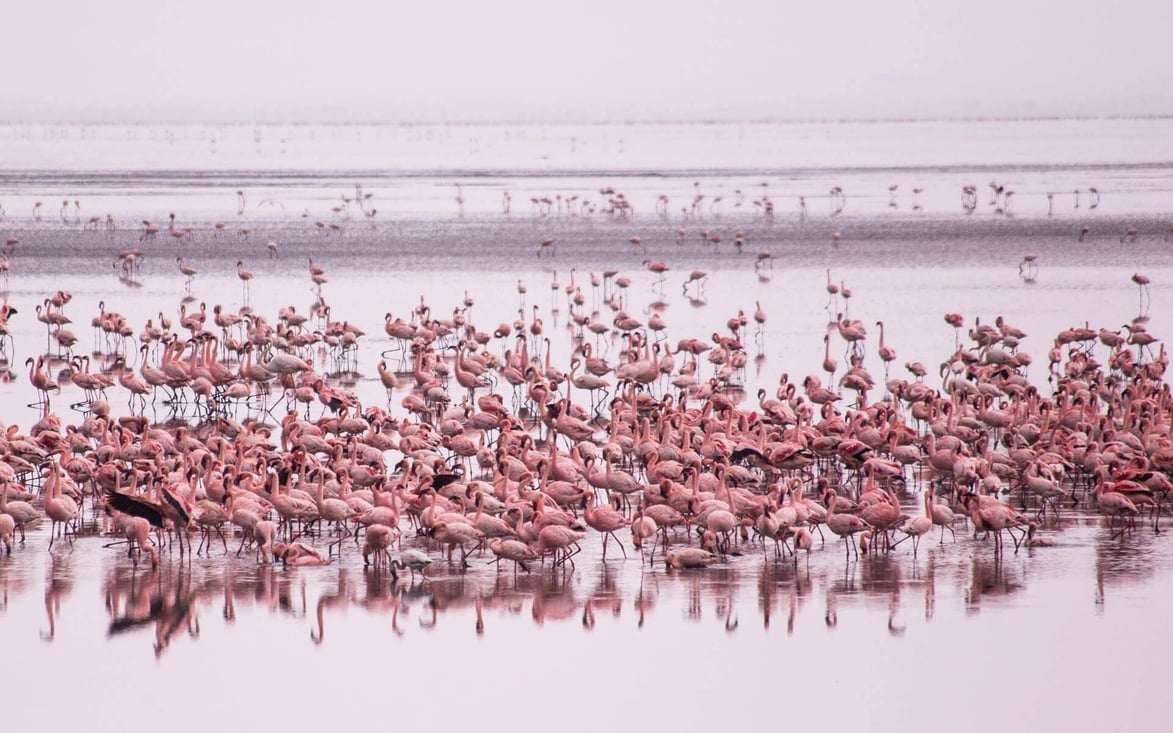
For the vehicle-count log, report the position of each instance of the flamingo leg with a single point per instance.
(618, 542)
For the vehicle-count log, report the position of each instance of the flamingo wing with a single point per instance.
(177, 505)
(135, 507)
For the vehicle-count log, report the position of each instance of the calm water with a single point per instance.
(885, 643)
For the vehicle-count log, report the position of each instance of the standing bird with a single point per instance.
(759, 317)
(846, 525)
(315, 270)
(378, 538)
(7, 521)
(244, 275)
(156, 512)
(263, 533)
(1142, 282)
(41, 380)
(918, 526)
(60, 509)
(556, 539)
(887, 353)
(413, 560)
(955, 320)
(605, 520)
(942, 516)
(656, 268)
(388, 378)
(7, 527)
(188, 271)
(519, 552)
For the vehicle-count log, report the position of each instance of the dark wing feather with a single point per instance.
(119, 625)
(128, 622)
(177, 505)
(135, 507)
(745, 453)
(441, 480)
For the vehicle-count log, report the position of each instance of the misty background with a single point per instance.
(364, 60)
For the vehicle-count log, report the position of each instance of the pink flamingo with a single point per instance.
(845, 526)
(558, 539)
(517, 551)
(61, 510)
(605, 519)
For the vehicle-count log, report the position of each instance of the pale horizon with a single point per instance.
(369, 62)
(504, 121)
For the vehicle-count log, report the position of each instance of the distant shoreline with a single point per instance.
(577, 123)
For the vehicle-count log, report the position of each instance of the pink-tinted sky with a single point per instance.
(613, 60)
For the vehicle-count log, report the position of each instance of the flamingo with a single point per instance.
(657, 268)
(412, 560)
(378, 538)
(845, 526)
(605, 520)
(887, 354)
(245, 277)
(7, 521)
(689, 558)
(61, 510)
(918, 526)
(517, 551)
(1142, 284)
(188, 272)
(558, 540)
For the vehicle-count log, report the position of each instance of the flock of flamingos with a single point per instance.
(484, 445)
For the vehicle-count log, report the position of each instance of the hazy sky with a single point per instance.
(245, 60)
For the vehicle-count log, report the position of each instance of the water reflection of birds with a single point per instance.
(58, 585)
(229, 607)
(726, 609)
(339, 598)
(553, 599)
(606, 592)
(894, 628)
(879, 573)
(8, 585)
(164, 599)
(930, 585)
(989, 578)
(645, 598)
(831, 609)
(1121, 563)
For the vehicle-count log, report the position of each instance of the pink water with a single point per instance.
(1052, 637)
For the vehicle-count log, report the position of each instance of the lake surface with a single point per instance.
(1047, 637)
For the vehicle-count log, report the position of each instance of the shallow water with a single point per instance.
(836, 642)
(887, 642)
